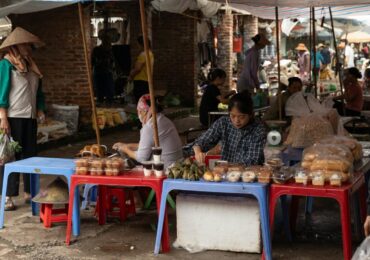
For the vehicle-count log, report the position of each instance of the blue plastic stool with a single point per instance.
(258, 190)
(37, 166)
(89, 195)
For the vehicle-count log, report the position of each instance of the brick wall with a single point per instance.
(225, 47)
(62, 59)
(174, 45)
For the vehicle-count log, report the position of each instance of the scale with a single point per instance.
(274, 136)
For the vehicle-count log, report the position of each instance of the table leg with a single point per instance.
(76, 213)
(266, 237)
(72, 190)
(102, 201)
(346, 226)
(35, 187)
(3, 195)
(162, 219)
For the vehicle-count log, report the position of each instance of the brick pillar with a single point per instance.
(250, 30)
(225, 47)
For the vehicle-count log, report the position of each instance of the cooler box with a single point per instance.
(212, 222)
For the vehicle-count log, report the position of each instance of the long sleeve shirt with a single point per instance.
(248, 79)
(169, 141)
(238, 145)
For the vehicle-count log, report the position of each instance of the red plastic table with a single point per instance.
(133, 178)
(341, 194)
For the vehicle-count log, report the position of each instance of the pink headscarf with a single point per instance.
(142, 106)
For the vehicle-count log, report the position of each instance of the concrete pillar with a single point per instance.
(225, 47)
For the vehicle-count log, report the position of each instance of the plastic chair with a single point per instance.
(37, 166)
(258, 190)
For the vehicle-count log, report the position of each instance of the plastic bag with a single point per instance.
(320, 150)
(353, 145)
(307, 130)
(8, 148)
(301, 104)
(363, 251)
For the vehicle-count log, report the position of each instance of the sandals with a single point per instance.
(9, 204)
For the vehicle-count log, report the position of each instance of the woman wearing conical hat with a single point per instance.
(21, 101)
(303, 61)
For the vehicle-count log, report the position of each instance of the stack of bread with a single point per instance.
(332, 156)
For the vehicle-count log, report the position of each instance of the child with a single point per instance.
(212, 95)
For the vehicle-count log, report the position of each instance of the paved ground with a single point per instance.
(318, 236)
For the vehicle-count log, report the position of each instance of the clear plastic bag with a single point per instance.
(7, 149)
(302, 104)
(307, 130)
(353, 145)
(363, 251)
(320, 150)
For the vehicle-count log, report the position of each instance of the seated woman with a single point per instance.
(243, 137)
(294, 86)
(169, 139)
(212, 95)
(353, 94)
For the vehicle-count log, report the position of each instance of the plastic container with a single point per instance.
(336, 179)
(82, 162)
(158, 169)
(82, 170)
(274, 162)
(221, 167)
(68, 114)
(111, 172)
(264, 175)
(301, 176)
(233, 176)
(148, 168)
(96, 171)
(157, 152)
(97, 163)
(318, 178)
(283, 175)
(249, 175)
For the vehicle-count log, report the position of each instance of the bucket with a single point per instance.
(68, 114)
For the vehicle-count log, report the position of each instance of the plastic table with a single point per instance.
(132, 178)
(37, 166)
(340, 194)
(258, 190)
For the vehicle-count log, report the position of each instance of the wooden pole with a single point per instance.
(278, 58)
(310, 45)
(336, 52)
(88, 68)
(149, 71)
(314, 49)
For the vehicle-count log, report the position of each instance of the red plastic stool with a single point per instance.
(48, 215)
(124, 205)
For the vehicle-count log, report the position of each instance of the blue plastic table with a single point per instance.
(37, 166)
(258, 190)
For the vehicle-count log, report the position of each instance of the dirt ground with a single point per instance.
(318, 235)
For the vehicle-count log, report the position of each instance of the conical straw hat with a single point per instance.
(19, 36)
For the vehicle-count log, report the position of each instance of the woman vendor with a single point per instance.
(242, 137)
(295, 85)
(21, 102)
(212, 95)
(353, 94)
(169, 139)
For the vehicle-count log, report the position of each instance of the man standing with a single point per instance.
(349, 56)
(248, 79)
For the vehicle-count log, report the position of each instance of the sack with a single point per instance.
(363, 251)
(8, 148)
